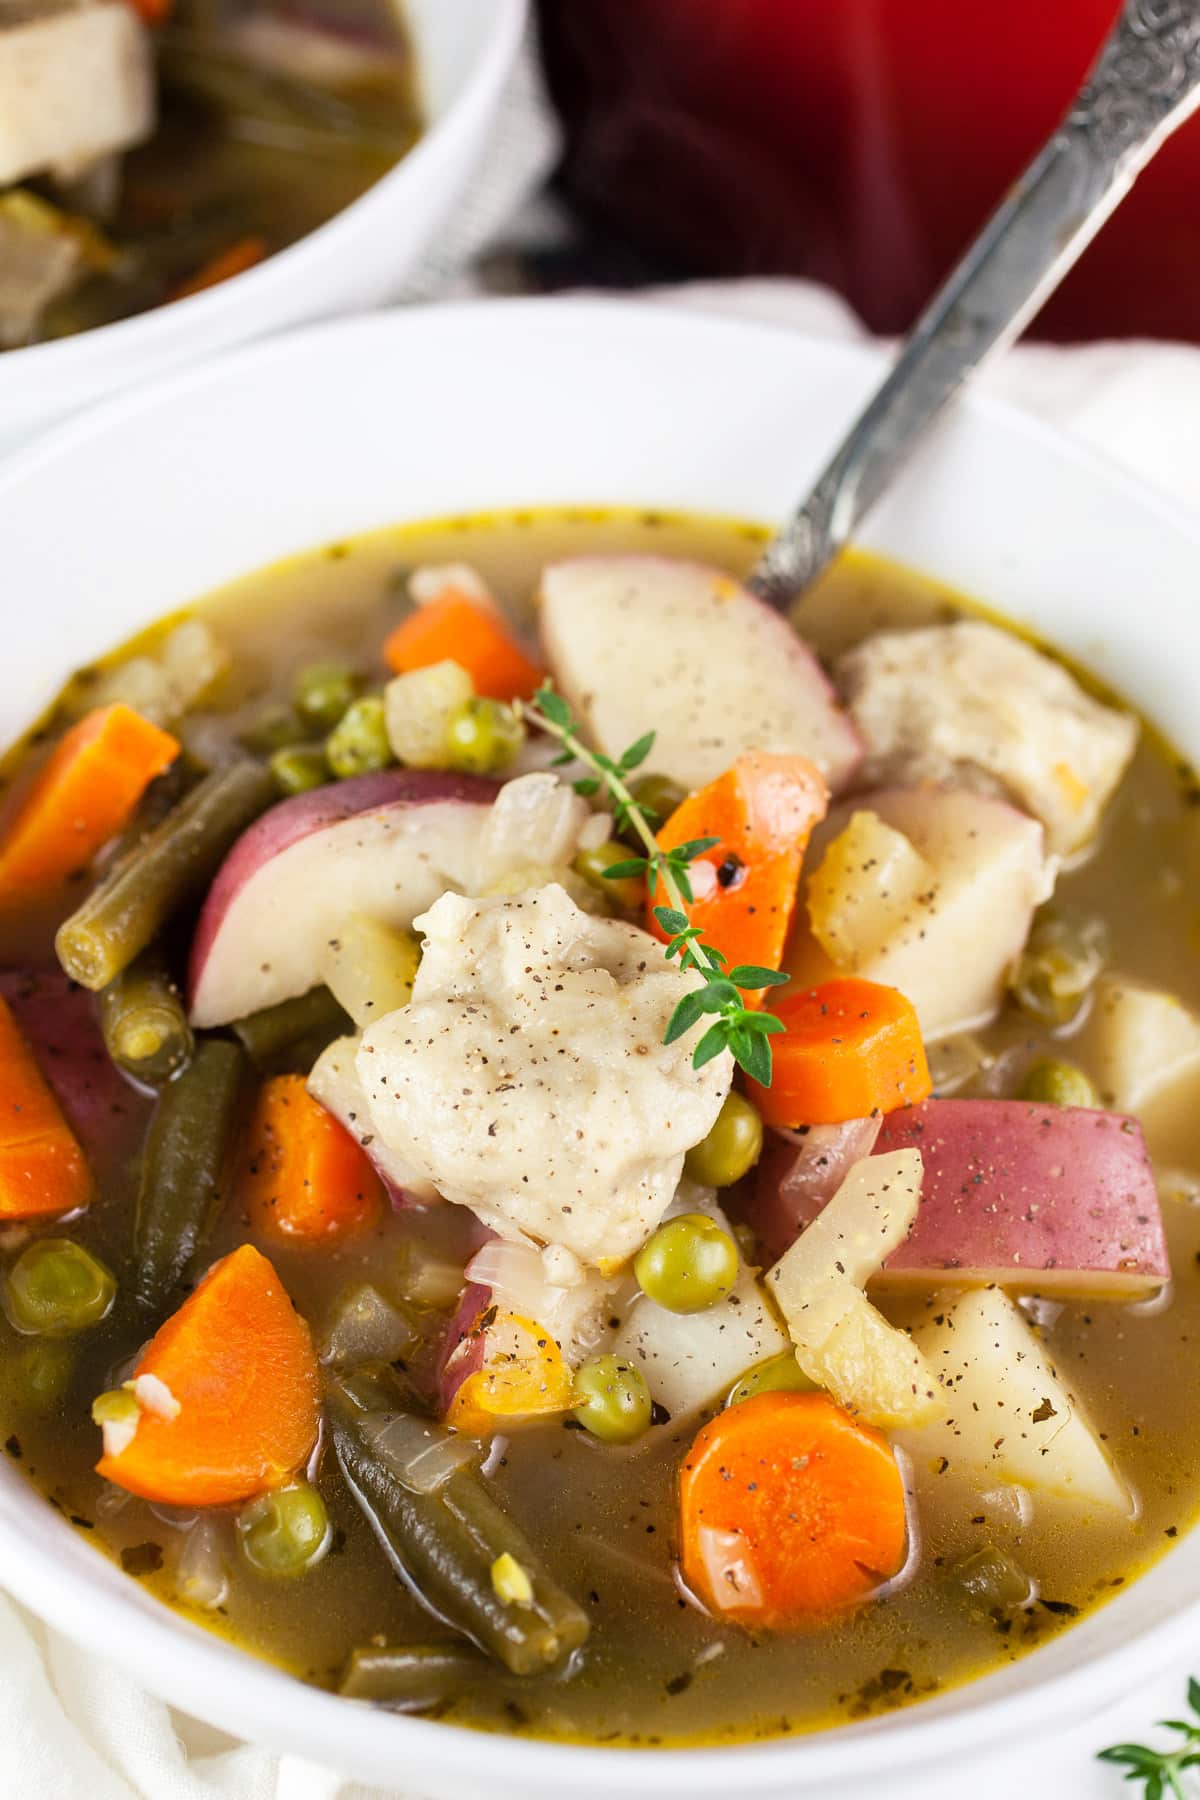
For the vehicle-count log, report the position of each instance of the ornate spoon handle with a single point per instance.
(1144, 83)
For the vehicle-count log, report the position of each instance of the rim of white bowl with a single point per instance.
(506, 24)
(210, 1678)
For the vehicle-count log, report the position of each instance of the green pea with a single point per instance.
(483, 736)
(658, 796)
(688, 1264)
(42, 1372)
(300, 767)
(611, 1399)
(731, 1148)
(626, 892)
(1054, 1083)
(780, 1374)
(274, 729)
(284, 1533)
(359, 743)
(323, 692)
(56, 1287)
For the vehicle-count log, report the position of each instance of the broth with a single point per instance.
(656, 1669)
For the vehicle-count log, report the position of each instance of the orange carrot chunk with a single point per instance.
(761, 812)
(457, 628)
(849, 1049)
(306, 1179)
(789, 1511)
(83, 796)
(235, 1406)
(235, 259)
(42, 1168)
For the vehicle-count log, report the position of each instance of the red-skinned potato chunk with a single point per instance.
(1057, 1198)
(240, 1375)
(761, 812)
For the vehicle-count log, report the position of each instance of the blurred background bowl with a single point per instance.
(465, 52)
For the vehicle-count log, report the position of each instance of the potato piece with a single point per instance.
(1140, 1042)
(842, 1343)
(954, 943)
(691, 1359)
(864, 889)
(970, 704)
(1060, 1199)
(650, 640)
(369, 967)
(75, 85)
(1008, 1417)
(418, 708)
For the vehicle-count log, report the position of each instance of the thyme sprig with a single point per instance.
(744, 1031)
(1161, 1771)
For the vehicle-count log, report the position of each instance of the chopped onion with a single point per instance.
(732, 1578)
(154, 1396)
(201, 1572)
(420, 1455)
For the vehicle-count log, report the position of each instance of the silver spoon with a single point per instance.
(1144, 84)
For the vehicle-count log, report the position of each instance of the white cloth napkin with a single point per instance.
(72, 1727)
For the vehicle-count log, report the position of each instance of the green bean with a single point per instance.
(182, 1169)
(143, 1021)
(288, 1038)
(445, 1541)
(171, 866)
(411, 1677)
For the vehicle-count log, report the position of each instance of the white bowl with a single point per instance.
(465, 51)
(120, 517)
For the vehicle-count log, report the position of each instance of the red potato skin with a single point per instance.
(797, 1174)
(461, 1350)
(298, 817)
(58, 1021)
(1053, 1199)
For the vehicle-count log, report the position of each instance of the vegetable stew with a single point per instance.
(581, 1162)
(151, 149)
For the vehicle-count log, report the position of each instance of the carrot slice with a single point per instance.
(849, 1049)
(83, 796)
(235, 259)
(237, 1360)
(151, 12)
(307, 1180)
(42, 1168)
(761, 812)
(789, 1511)
(523, 1378)
(458, 628)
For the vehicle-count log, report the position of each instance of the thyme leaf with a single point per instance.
(1161, 1772)
(744, 1031)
